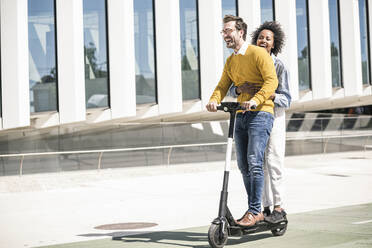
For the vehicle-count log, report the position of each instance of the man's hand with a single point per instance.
(247, 88)
(272, 97)
(248, 105)
(212, 106)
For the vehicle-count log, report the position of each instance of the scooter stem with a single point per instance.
(230, 107)
(230, 141)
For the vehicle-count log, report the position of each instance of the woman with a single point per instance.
(271, 37)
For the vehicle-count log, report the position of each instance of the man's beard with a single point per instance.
(231, 44)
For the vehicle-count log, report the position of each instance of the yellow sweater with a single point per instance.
(256, 67)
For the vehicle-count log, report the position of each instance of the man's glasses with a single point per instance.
(227, 31)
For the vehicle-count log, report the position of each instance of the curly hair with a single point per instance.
(279, 35)
(239, 23)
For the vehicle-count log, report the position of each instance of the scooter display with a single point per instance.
(224, 225)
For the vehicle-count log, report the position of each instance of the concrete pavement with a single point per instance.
(330, 228)
(59, 208)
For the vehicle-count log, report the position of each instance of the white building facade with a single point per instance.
(92, 61)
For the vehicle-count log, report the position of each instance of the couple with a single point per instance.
(258, 79)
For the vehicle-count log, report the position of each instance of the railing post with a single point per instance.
(21, 165)
(366, 146)
(325, 145)
(99, 160)
(169, 154)
(366, 143)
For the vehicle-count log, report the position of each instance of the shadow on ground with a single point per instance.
(182, 239)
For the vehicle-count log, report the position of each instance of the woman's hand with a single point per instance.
(247, 88)
(272, 97)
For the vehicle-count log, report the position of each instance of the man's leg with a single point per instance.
(241, 146)
(259, 128)
(258, 131)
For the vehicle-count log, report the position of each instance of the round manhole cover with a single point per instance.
(126, 226)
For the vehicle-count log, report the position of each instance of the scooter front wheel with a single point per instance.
(216, 238)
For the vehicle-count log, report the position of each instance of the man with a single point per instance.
(250, 64)
(271, 36)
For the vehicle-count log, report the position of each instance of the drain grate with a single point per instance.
(126, 226)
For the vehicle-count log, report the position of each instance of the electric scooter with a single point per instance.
(224, 225)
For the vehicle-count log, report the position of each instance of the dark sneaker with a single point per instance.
(284, 213)
(266, 212)
(276, 216)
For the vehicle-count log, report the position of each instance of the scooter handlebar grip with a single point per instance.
(220, 107)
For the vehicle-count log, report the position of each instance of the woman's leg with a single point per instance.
(275, 158)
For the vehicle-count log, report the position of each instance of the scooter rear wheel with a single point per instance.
(279, 231)
(215, 238)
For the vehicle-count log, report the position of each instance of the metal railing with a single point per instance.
(101, 151)
(303, 131)
(326, 138)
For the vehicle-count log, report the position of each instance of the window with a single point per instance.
(229, 7)
(95, 53)
(145, 51)
(303, 48)
(334, 24)
(42, 55)
(267, 10)
(189, 50)
(364, 41)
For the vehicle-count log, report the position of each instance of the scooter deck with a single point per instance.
(261, 226)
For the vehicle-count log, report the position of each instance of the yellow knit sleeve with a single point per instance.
(266, 66)
(223, 86)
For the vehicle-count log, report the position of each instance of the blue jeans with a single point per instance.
(252, 131)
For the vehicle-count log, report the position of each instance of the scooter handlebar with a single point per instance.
(230, 106)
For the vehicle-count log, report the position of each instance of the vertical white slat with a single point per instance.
(70, 60)
(121, 58)
(285, 14)
(211, 49)
(250, 11)
(15, 93)
(351, 51)
(320, 49)
(370, 37)
(168, 56)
